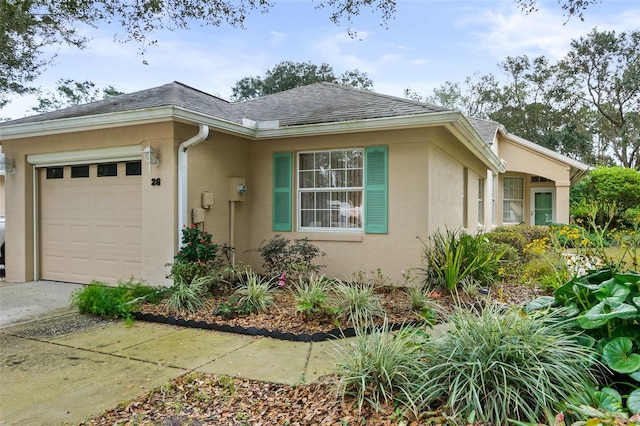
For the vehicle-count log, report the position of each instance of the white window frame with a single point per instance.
(351, 218)
(480, 201)
(509, 215)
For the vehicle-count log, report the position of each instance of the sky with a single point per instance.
(427, 43)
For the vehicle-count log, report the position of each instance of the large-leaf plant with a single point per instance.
(606, 306)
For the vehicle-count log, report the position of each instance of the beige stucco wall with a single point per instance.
(158, 216)
(524, 162)
(211, 165)
(426, 192)
(425, 175)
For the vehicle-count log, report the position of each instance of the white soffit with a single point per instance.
(87, 156)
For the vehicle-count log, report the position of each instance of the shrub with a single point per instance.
(311, 294)
(606, 187)
(188, 296)
(197, 246)
(357, 303)
(121, 301)
(503, 366)
(281, 256)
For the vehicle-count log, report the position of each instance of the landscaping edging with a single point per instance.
(336, 333)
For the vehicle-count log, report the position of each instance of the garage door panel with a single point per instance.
(90, 228)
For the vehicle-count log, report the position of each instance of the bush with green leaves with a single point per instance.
(281, 256)
(121, 301)
(607, 188)
(502, 366)
(197, 246)
(452, 256)
(605, 308)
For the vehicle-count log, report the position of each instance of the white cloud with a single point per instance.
(507, 31)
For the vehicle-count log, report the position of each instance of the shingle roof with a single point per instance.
(485, 128)
(316, 103)
(172, 94)
(329, 102)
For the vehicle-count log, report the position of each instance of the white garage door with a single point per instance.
(90, 222)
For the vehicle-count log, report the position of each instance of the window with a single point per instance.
(337, 190)
(133, 168)
(330, 189)
(79, 172)
(107, 169)
(481, 201)
(55, 172)
(513, 200)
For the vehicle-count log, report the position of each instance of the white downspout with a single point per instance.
(183, 216)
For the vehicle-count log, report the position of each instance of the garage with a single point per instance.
(90, 221)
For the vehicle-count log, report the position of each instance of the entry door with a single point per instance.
(542, 207)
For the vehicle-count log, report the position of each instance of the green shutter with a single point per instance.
(282, 191)
(375, 190)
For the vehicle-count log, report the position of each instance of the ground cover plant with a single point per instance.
(493, 365)
(119, 301)
(605, 308)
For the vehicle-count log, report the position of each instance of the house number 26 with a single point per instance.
(155, 181)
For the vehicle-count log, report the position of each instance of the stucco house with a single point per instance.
(103, 190)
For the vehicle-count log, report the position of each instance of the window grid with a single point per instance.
(330, 189)
(513, 200)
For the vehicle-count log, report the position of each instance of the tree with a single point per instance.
(570, 7)
(288, 75)
(602, 71)
(28, 27)
(70, 92)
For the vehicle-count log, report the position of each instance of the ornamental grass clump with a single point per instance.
(188, 297)
(357, 303)
(498, 367)
(254, 293)
(311, 294)
(380, 367)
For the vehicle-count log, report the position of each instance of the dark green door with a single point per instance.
(543, 208)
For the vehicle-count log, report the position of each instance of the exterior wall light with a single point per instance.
(6, 165)
(150, 156)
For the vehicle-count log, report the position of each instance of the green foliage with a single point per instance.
(289, 75)
(453, 256)
(423, 302)
(188, 296)
(281, 256)
(187, 271)
(380, 367)
(254, 293)
(607, 188)
(197, 246)
(605, 306)
(121, 301)
(503, 366)
(70, 92)
(311, 294)
(357, 303)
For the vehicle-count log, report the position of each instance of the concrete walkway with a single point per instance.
(64, 366)
(59, 367)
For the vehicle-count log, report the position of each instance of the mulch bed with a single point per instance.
(206, 399)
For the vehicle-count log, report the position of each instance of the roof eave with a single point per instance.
(580, 168)
(119, 119)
